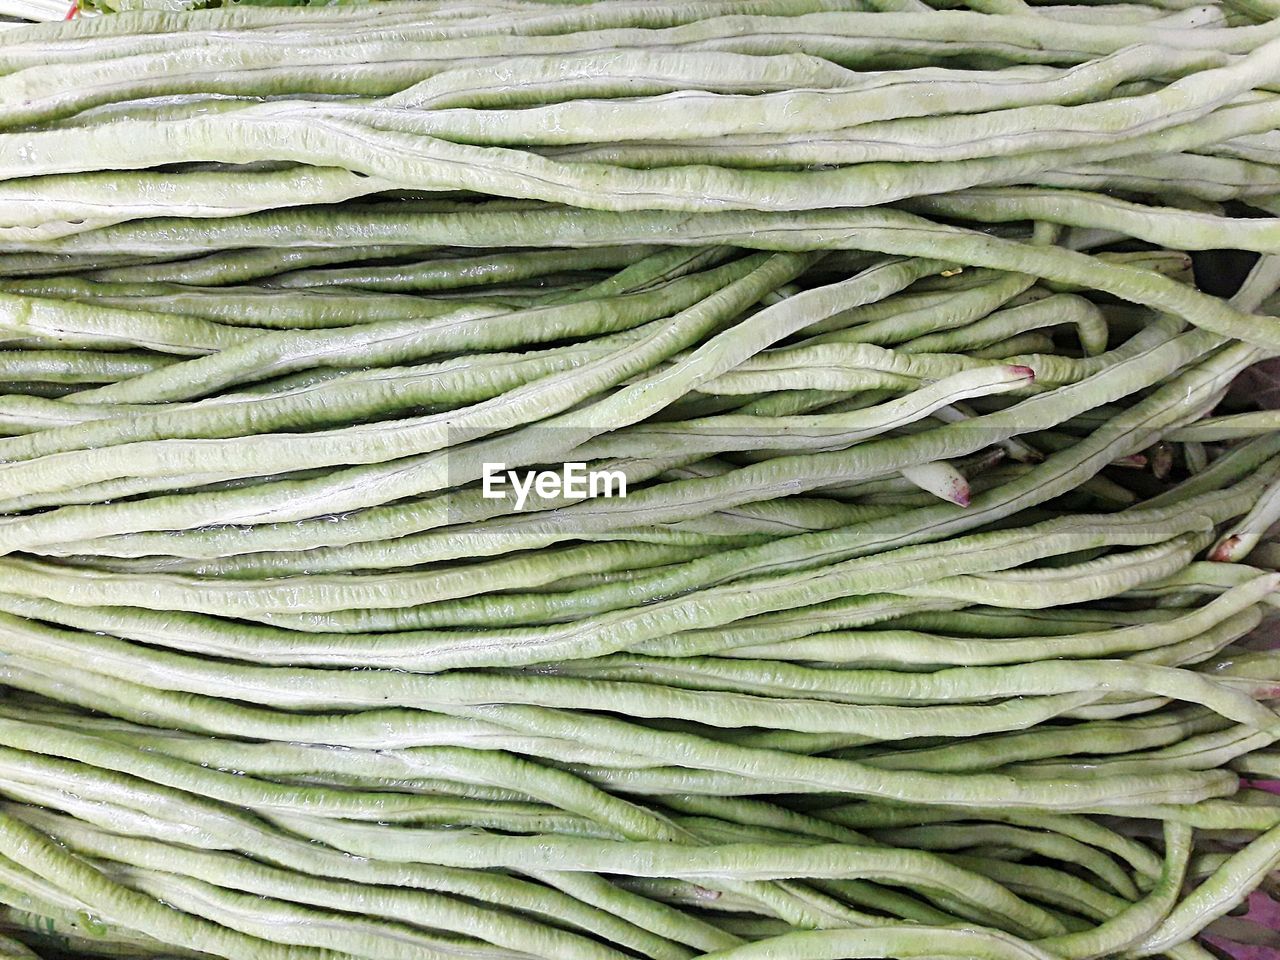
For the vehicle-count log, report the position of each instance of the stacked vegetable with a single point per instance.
(927, 624)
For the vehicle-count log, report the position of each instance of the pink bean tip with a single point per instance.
(1271, 786)
(1225, 551)
(1018, 370)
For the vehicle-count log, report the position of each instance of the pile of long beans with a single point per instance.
(928, 624)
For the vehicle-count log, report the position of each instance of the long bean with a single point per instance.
(215, 829)
(916, 619)
(28, 847)
(1182, 229)
(797, 773)
(890, 232)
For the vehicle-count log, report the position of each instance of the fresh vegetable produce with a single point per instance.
(742, 479)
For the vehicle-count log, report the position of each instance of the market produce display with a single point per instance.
(742, 479)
